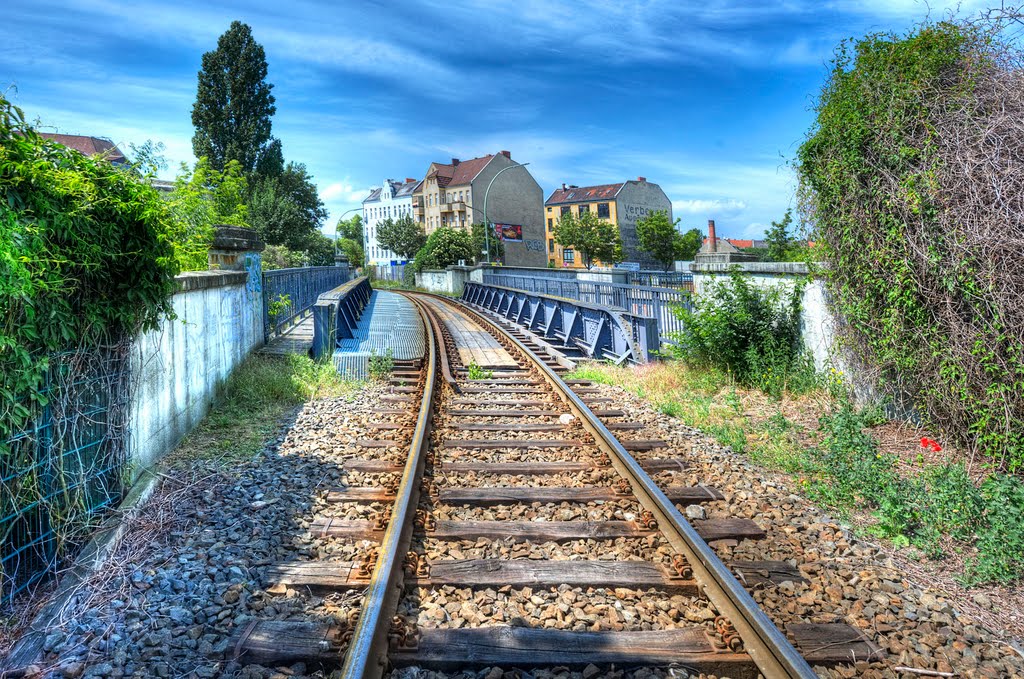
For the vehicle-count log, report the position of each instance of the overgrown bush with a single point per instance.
(85, 259)
(913, 179)
(750, 331)
(202, 198)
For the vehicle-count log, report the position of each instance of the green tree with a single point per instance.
(319, 250)
(690, 244)
(148, 158)
(202, 198)
(233, 104)
(594, 239)
(481, 243)
(287, 210)
(351, 228)
(659, 238)
(780, 239)
(280, 257)
(403, 236)
(444, 247)
(353, 249)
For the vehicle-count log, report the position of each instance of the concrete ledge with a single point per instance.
(769, 268)
(202, 280)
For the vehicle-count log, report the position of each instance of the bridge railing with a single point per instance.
(641, 300)
(336, 313)
(663, 279)
(290, 293)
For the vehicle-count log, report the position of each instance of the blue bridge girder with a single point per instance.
(597, 332)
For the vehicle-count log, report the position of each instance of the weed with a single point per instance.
(279, 306)
(381, 365)
(255, 399)
(478, 373)
(1000, 544)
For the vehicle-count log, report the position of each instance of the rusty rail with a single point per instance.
(367, 651)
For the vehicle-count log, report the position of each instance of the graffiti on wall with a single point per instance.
(254, 285)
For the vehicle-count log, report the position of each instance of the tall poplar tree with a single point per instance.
(234, 105)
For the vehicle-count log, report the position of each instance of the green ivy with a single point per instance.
(911, 298)
(85, 259)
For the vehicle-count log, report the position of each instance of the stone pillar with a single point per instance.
(235, 248)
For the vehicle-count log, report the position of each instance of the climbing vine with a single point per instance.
(913, 178)
(84, 259)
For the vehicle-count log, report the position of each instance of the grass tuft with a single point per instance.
(256, 398)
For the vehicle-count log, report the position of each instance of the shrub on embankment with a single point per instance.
(84, 260)
(913, 180)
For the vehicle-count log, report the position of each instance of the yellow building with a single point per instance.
(622, 204)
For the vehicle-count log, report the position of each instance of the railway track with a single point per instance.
(519, 526)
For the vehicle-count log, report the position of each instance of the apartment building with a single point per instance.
(622, 204)
(452, 195)
(391, 201)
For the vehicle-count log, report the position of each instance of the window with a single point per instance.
(550, 208)
(551, 243)
(568, 256)
(566, 210)
(550, 222)
(602, 210)
(583, 208)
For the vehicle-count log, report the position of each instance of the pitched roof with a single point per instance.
(406, 189)
(462, 173)
(89, 146)
(373, 197)
(583, 194)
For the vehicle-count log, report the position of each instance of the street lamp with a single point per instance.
(355, 209)
(487, 224)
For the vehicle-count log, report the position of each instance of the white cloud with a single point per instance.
(712, 206)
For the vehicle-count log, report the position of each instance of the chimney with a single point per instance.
(506, 154)
(712, 239)
(455, 161)
(409, 180)
(564, 187)
(641, 179)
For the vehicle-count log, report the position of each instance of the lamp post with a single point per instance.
(355, 209)
(487, 224)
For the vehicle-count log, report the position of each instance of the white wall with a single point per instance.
(180, 367)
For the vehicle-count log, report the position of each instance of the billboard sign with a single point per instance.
(512, 233)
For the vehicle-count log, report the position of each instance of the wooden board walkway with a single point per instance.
(298, 339)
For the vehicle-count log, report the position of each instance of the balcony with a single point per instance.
(453, 206)
(417, 211)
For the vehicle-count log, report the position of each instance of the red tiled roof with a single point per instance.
(461, 174)
(583, 194)
(89, 146)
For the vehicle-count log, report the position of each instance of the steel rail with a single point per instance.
(367, 650)
(767, 646)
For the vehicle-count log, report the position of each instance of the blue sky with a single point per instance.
(708, 99)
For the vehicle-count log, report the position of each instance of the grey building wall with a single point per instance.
(515, 198)
(635, 200)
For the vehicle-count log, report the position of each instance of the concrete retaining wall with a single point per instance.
(179, 368)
